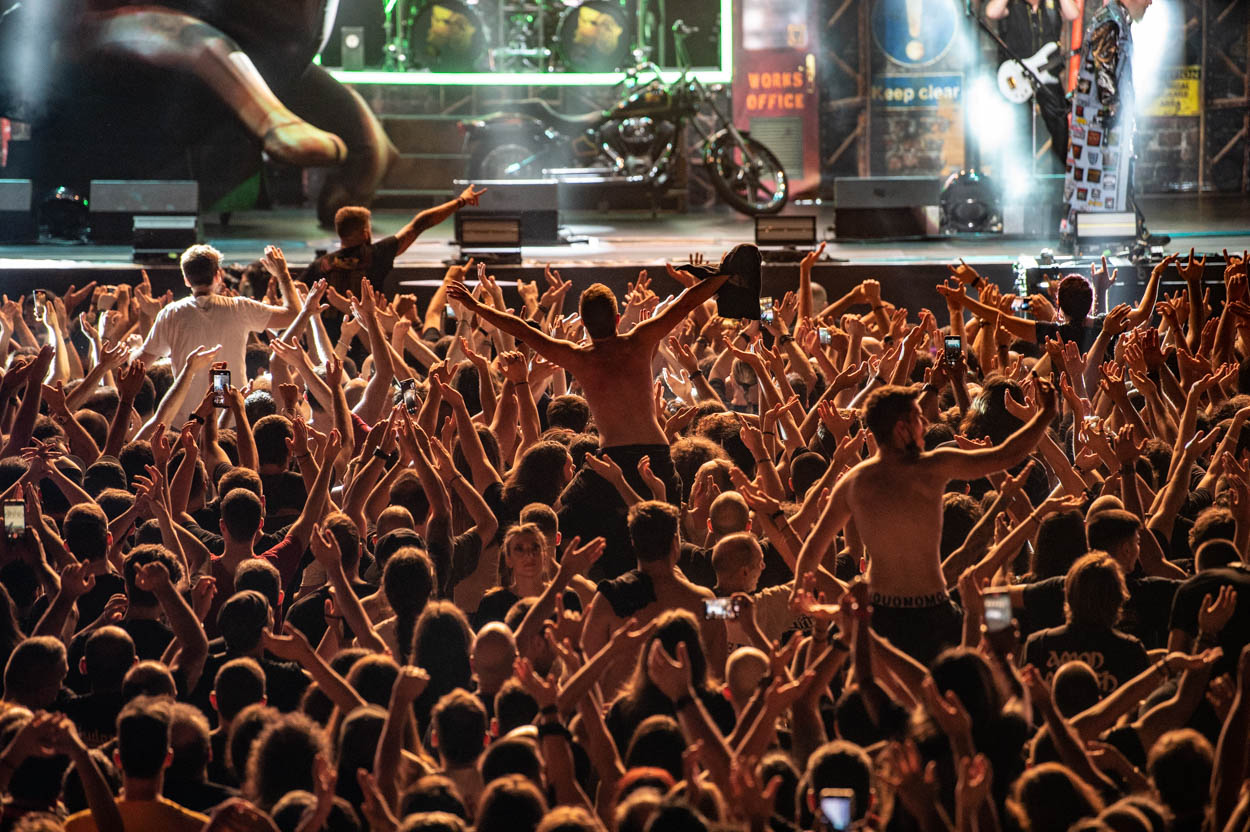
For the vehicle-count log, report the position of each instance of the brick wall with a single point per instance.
(1167, 154)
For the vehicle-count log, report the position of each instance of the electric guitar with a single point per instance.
(1013, 81)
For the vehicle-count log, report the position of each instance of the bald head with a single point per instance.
(728, 514)
(394, 517)
(736, 559)
(494, 651)
(743, 672)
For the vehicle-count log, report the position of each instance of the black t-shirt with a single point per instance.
(1083, 333)
(494, 606)
(696, 564)
(285, 496)
(308, 614)
(1144, 614)
(1026, 29)
(1236, 634)
(197, 795)
(285, 683)
(1113, 656)
(343, 269)
(95, 716)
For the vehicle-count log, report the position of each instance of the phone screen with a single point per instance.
(768, 315)
(997, 610)
(720, 609)
(825, 338)
(837, 807)
(14, 518)
(409, 388)
(954, 346)
(221, 386)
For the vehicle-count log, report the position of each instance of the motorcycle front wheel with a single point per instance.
(746, 174)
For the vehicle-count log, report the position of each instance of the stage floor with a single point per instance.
(638, 240)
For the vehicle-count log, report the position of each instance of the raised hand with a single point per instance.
(471, 195)
(274, 261)
(1214, 615)
(965, 274)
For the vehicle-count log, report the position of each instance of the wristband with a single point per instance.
(377, 452)
(930, 387)
(697, 373)
(553, 729)
(785, 339)
(776, 514)
(878, 306)
(838, 644)
(889, 339)
(682, 701)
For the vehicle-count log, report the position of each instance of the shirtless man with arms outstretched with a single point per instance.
(895, 498)
(615, 372)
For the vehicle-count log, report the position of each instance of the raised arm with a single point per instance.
(554, 350)
(433, 216)
(657, 327)
(961, 464)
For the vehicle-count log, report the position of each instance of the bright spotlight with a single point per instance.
(1155, 45)
(994, 119)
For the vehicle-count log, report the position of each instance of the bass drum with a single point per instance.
(594, 36)
(448, 36)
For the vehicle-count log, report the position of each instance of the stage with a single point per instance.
(612, 248)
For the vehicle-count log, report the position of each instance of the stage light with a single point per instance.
(970, 205)
(993, 116)
(1155, 46)
(63, 215)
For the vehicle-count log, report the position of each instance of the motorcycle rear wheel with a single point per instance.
(492, 161)
(746, 174)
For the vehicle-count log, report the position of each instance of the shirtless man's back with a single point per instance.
(895, 498)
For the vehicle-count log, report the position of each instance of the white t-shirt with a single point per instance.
(204, 321)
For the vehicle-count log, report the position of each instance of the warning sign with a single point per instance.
(1178, 93)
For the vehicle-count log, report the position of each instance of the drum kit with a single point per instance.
(520, 35)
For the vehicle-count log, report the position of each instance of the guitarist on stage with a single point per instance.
(1027, 26)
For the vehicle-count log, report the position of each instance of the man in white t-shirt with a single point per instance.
(208, 317)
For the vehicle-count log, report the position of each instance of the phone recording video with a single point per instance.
(221, 385)
(954, 349)
(720, 609)
(997, 604)
(837, 807)
(408, 387)
(826, 337)
(14, 519)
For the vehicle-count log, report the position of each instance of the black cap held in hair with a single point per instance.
(739, 297)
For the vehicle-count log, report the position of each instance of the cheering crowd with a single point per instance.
(293, 555)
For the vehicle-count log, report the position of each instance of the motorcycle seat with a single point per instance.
(543, 109)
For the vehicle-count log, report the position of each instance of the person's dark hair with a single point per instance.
(95, 425)
(110, 653)
(114, 502)
(1179, 766)
(134, 457)
(347, 536)
(959, 514)
(512, 755)
(433, 793)
(1211, 524)
(842, 765)
(283, 759)
(1060, 541)
(241, 514)
(258, 405)
(239, 477)
(162, 378)
(188, 737)
(1111, 528)
(538, 477)
(406, 491)
(433, 822)
(351, 220)
(242, 620)
(148, 678)
(247, 725)
(657, 742)
(885, 407)
(1094, 591)
(289, 812)
(779, 764)
(239, 682)
(103, 401)
(143, 736)
(37, 779)
(460, 721)
(1075, 688)
(568, 411)
(653, 528)
(1049, 796)
(510, 804)
(569, 819)
(641, 698)
(1076, 297)
(806, 469)
(598, 310)
(542, 516)
(270, 434)
(255, 362)
(408, 584)
(85, 531)
(1215, 553)
(262, 576)
(10, 630)
(141, 556)
(441, 646)
(359, 735)
(689, 453)
(200, 264)
(967, 674)
(514, 706)
(373, 676)
(989, 418)
(103, 474)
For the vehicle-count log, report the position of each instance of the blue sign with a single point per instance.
(917, 90)
(914, 33)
